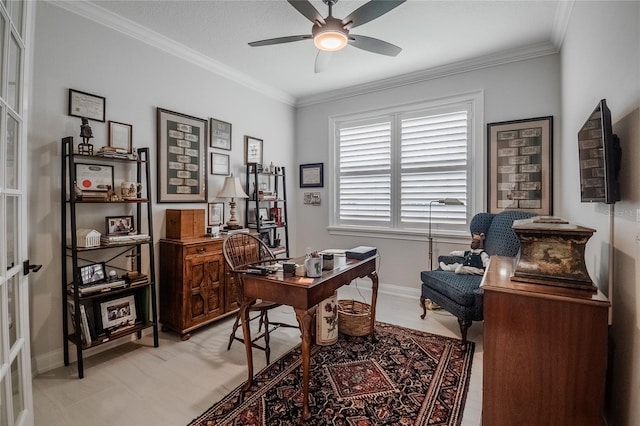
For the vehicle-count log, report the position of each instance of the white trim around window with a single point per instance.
(388, 165)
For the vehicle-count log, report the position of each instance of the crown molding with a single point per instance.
(129, 28)
(561, 22)
(487, 61)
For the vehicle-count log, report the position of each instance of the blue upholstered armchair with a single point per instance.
(460, 294)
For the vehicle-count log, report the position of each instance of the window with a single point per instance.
(391, 167)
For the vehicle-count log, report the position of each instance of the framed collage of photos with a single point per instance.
(182, 160)
(520, 165)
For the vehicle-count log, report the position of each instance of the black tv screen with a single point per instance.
(600, 155)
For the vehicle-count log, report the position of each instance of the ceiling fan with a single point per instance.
(331, 34)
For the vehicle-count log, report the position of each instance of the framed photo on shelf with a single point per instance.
(264, 236)
(86, 105)
(312, 175)
(520, 165)
(252, 150)
(92, 273)
(94, 177)
(117, 313)
(216, 214)
(182, 161)
(219, 164)
(119, 225)
(121, 136)
(220, 134)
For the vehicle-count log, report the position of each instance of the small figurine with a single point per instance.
(85, 148)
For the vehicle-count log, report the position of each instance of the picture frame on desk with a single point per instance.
(521, 165)
(182, 160)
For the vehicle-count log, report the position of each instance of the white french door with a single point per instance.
(16, 401)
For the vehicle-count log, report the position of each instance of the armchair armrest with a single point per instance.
(448, 259)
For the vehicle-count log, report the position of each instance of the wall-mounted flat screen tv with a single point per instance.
(600, 153)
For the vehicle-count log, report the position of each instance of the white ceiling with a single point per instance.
(432, 34)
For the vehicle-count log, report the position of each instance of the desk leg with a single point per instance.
(246, 335)
(305, 319)
(374, 300)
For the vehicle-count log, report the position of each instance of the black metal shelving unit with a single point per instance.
(274, 199)
(74, 210)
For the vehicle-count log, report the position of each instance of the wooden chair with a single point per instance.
(240, 252)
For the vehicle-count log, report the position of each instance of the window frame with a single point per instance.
(476, 165)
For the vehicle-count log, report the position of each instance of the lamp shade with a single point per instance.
(232, 188)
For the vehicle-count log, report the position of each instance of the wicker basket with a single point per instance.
(354, 318)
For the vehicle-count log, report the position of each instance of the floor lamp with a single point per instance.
(232, 188)
(442, 202)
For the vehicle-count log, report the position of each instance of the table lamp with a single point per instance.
(232, 188)
(442, 202)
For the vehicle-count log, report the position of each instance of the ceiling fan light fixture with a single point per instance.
(330, 40)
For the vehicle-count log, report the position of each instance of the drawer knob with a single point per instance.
(201, 250)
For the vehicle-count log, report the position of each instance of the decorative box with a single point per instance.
(188, 223)
(552, 253)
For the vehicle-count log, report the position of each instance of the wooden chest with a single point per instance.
(188, 223)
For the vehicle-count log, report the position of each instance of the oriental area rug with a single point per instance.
(407, 377)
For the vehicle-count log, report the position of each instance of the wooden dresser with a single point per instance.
(194, 284)
(545, 352)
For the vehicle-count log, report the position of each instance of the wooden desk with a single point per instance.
(303, 294)
(545, 352)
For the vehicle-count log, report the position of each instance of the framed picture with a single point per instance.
(182, 163)
(92, 273)
(311, 175)
(252, 150)
(86, 105)
(264, 236)
(119, 225)
(117, 313)
(520, 165)
(219, 164)
(121, 136)
(220, 134)
(263, 215)
(312, 198)
(94, 177)
(216, 214)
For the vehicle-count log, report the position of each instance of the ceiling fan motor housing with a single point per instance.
(331, 36)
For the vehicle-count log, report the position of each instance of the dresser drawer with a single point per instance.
(202, 249)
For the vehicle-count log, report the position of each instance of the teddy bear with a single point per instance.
(474, 261)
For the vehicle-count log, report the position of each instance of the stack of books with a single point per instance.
(94, 196)
(124, 239)
(112, 152)
(135, 278)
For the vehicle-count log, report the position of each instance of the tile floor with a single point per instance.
(137, 384)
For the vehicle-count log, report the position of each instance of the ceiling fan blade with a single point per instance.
(322, 61)
(374, 45)
(370, 11)
(307, 10)
(279, 40)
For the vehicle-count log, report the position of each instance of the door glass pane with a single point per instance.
(12, 153)
(16, 15)
(13, 303)
(11, 228)
(2, 25)
(4, 417)
(16, 388)
(15, 53)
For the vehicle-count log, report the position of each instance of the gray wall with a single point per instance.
(135, 78)
(600, 58)
(525, 89)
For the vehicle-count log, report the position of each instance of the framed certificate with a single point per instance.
(86, 105)
(252, 150)
(311, 175)
(94, 177)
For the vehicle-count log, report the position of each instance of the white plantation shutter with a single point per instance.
(433, 159)
(365, 174)
(390, 167)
